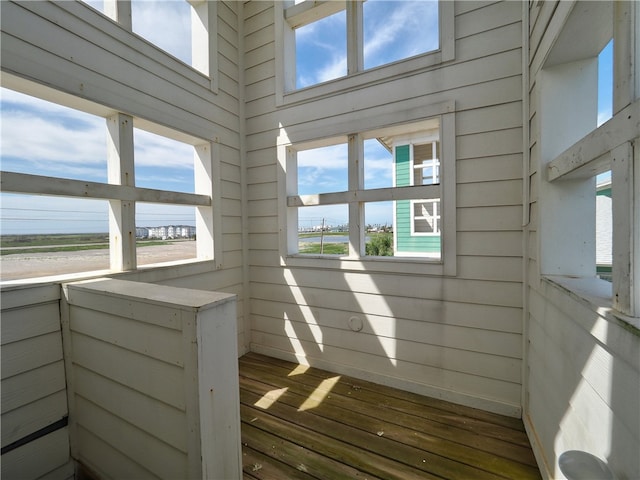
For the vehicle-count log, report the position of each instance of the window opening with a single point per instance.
(44, 236)
(378, 164)
(162, 163)
(166, 24)
(43, 138)
(323, 230)
(323, 169)
(375, 219)
(398, 30)
(164, 233)
(321, 50)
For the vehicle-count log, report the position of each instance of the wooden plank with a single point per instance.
(23, 421)
(347, 404)
(305, 461)
(32, 385)
(42, 185)
(337, 449)
(19, 357)
(157, 379)
(107, 461)
(486, 194)
(434, 409)
(152, 416)
(260, 466)
(21, 296)
(157, 342)
(30, 321)
(156, 456)
(468, 389)
(37, 458)
(404, 429)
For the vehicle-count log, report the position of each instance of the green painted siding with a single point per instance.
(405, 242)
(403, 166)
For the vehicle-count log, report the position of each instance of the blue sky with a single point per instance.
(46, 139)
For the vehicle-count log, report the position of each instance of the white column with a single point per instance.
(122, 213)
(208, 219)
(204, 34)
(356, 209)
(120, 11)
(355, 39)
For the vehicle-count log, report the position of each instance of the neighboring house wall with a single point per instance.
(456, 337)
(74, 49)
(583, 375)
(34, 397)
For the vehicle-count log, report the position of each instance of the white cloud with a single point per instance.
(155, 151)
(165, 23)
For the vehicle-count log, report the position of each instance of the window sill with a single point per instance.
(404, 265)
(149, 273)
(594, 294)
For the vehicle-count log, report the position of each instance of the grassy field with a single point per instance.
(19, 244)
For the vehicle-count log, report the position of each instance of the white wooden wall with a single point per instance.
(33, 387)
(153, 381)
(583, 369)
(77, 51)
(458, 337)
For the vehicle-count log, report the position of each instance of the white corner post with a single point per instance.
(120, 11)
(122, 213)
(625, 163)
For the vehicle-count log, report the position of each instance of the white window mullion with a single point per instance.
(355, 38)
(122, 213)
(356, 208)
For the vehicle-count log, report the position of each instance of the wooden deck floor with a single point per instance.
(300, 422)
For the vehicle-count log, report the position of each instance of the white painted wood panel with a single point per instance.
(29, 321)
(34, 352)
(38, 458)
(142, 385)
(32, 385)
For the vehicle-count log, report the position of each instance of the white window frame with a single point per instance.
(436, 218)
(122, 194)
(289, 16)
(356, 196)
(204, 34)
(432, 162)
(568, 185)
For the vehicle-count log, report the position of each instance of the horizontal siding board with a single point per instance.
(30, 321)
(159, 380)
(423, 311)
(487, 18)
(133, 407)
(31, 417)
(504, 244)
(508, 192)
(395, 349)
(490, 42)
(157, 457)
(489, 169)
(505, 269)
(19, 357)
(493, 218)
(140, 311)
(490, 118)
(32, 385)
(16, 297)
(382, 366)
(37, 458)
(438, 332)
(105, 460)
(267, 281)
(500, 142)
(157, 342)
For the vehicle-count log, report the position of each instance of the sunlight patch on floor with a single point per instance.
(270, 398)
(319, 394)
